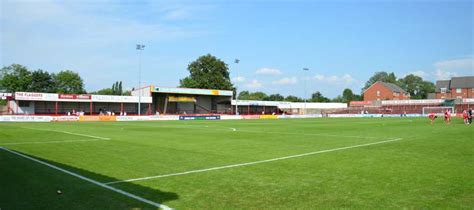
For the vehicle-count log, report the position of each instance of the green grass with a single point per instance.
(431, 167)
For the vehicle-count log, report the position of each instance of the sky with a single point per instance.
(341, 42)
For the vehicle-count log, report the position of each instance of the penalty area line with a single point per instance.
(70, 133)
(144, 200)
(254, 162)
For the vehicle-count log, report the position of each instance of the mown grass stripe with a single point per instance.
(252, 163)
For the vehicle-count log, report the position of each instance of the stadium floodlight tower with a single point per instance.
(236, 61)
(140, 48)
(306, 78)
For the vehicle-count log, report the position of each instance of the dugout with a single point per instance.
(169, 100)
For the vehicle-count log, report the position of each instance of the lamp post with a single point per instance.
(236, 61)
(306, 78)
(140, 48)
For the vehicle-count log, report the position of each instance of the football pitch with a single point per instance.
(356, 163)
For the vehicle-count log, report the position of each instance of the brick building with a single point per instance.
(385, 91)
(457, 87)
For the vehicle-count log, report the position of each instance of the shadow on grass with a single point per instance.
(25, 184)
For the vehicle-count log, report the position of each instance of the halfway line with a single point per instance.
(89, 180)
(253, 163)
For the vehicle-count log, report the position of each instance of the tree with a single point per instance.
(318, 97)
(257, 96)
(115, 90)
(69, 82)
(275, 97)
(416, 86)
(381, 76)
(339, 99)
(207, 72)
(15, 78)
(120, 89)
(292, 98)
(347, 95)
(244, 95)
(42, 81)
(105, 91)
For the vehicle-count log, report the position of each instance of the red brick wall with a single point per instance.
(385, 94)
(465, 93)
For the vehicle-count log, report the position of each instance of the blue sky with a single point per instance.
(342, 42)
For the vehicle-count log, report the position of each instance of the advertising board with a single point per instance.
(231, 117)
(360, 103)
(24, 118)
(191, 117)
(268, 117)
(97, 118)
(147, 118)
(65, 118)
(249, 117)
(27, 96)
(74, 97)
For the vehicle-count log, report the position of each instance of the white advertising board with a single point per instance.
(27, 96)
(412, 102)
(120, 99)
(468, 100)
(299, 116)
(147, 118)
(24, 118)
(231, 117)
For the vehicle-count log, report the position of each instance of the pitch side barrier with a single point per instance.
(35, 118)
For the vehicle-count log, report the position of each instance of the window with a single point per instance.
(458, 90)
(24, 104)
(443, 90)
(378, 92)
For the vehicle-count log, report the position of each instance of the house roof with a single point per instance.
(443, 84)
(394, 88)
(462, 82)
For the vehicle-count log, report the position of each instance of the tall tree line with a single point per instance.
(16, 78)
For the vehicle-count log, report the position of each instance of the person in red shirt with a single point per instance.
(432, 117)
(466, 117)
(447, 116)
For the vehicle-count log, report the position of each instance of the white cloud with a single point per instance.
(444, 75)
(460, 64)
(268, 71)
(334, 79)
(454, 67)
(238, 79)
(254, 84)
(286, 81)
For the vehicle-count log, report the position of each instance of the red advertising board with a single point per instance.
(74, 97)
(360, 103)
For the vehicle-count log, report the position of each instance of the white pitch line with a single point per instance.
(309, 134)
(89, 180)
(70, 133)
(50, 142)
(252, 163)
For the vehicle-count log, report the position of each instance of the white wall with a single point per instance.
(22, 110)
